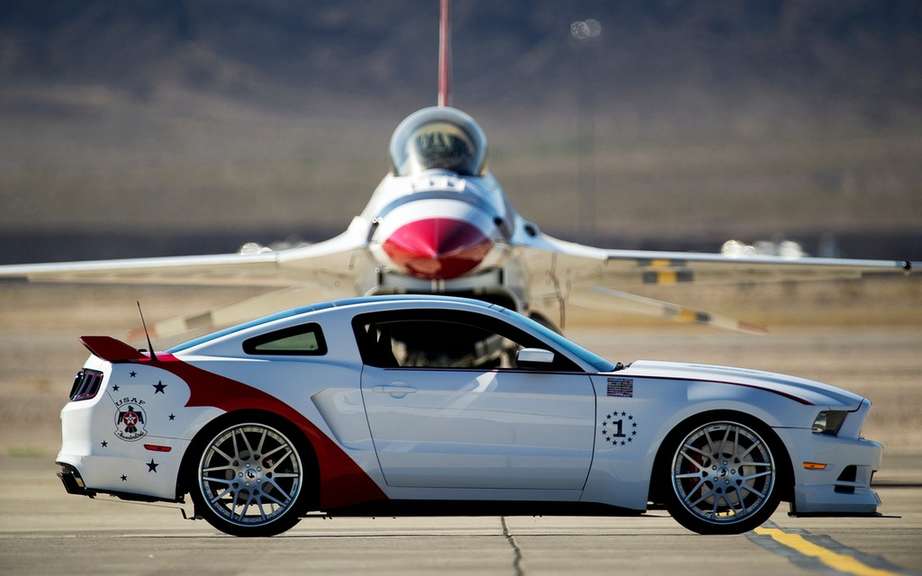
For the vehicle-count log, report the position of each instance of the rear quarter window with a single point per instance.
(302, 340)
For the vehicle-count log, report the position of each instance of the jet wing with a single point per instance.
(604, 298)
(237, 312)
(576, 264)
(323, 262)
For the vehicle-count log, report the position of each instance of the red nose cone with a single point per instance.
(437, 248)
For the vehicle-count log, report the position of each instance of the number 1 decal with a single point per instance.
(619, 428)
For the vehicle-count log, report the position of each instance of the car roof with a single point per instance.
(340, 303)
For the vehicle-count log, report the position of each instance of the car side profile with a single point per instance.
(433, 404)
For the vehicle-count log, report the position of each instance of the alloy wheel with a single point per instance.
(250, 474)
(723, 473)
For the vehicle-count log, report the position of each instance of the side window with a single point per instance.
(444, 339)
(440, 344)
(303, 340)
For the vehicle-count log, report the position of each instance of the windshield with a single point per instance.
(438, 145)
(438, 139)
(597, 362)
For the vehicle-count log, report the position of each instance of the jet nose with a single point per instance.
(437, 248)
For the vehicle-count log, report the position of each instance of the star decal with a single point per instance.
(152, 466)
(622, 442)
(115, 388)
(104, 443)
(172, 417)
(132, 373)
(124, 478)
(159, 387)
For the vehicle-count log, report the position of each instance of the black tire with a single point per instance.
(218, 484)
(708, 488)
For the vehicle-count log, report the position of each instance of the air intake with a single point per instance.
(848, 478)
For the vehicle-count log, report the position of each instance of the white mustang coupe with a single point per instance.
(431, 404)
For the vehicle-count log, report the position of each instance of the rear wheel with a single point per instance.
(250, 480)
(723, 477)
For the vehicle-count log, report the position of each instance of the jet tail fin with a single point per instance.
(445, 53)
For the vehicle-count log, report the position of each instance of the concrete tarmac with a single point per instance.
(45, 531)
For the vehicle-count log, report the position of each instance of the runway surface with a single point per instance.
(45, 531)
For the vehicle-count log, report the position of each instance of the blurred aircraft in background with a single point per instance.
(439, 222)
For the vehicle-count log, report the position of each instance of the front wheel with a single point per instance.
(723, 478)
(250, 480)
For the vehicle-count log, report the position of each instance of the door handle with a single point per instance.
(395, 390)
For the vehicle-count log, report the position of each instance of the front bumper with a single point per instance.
(844, 486)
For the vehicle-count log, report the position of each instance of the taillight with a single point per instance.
(86, 384)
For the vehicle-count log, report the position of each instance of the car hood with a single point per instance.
(811, 391)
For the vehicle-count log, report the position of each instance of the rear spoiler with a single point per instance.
(111, 350)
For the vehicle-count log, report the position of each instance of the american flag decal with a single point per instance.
(621, 387)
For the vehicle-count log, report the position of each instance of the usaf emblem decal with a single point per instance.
(621, 387)
(130, 419)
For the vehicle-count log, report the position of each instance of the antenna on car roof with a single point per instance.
(150, 346)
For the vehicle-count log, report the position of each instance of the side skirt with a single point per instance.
(479, 508)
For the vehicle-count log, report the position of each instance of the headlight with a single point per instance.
(829, 422)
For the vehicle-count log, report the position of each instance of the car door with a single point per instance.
(448, 407)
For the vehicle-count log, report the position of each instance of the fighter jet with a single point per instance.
(439, 222)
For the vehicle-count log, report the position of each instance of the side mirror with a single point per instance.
(533, 358)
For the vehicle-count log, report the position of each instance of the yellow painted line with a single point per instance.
(836, 561)
(660, 263)
(686, 315)
(668, 278)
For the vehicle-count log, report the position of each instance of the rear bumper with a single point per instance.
(74, 484)
(94, 460)
(844, 486)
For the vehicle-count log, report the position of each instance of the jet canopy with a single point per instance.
(438, 138)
